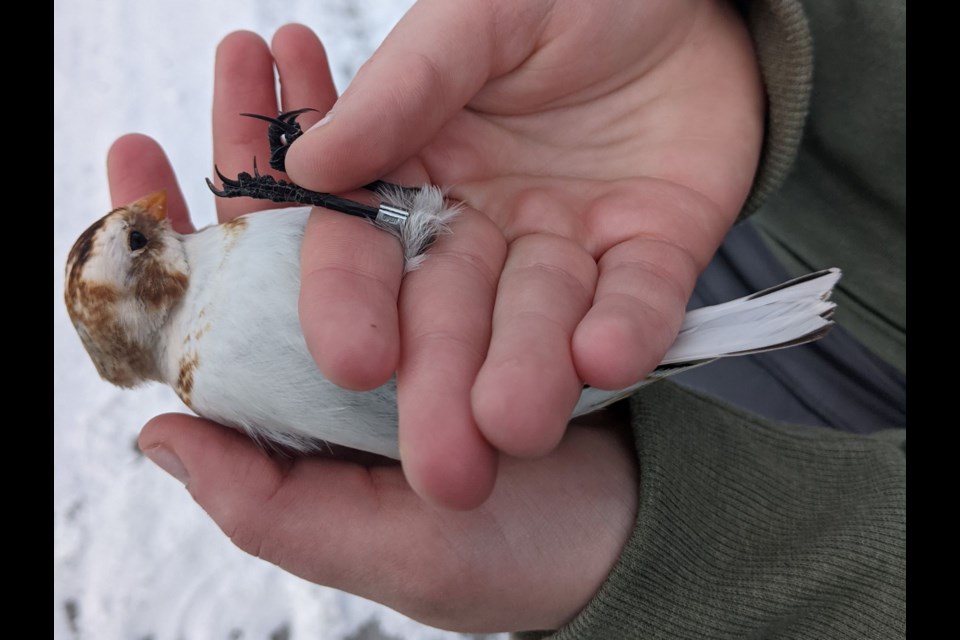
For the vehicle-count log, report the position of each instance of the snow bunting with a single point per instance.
(214, 314)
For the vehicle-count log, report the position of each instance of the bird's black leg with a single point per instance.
(281, 133)
(269, 188)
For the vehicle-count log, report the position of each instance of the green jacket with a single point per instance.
(752, 529)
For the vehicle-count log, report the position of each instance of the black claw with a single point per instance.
(227, 182)
(275, 121)
(212, 188)
(283, 130)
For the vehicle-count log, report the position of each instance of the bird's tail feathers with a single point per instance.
(789, 314)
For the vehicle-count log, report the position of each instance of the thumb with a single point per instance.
(273, 508)
(432, 64)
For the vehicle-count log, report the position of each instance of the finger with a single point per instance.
(640, 302)
(446, 309)
(428, 68)
(305, 80)
(350, 281)
(528, 386)
(351, 271)
(243, 83)
(137, 166)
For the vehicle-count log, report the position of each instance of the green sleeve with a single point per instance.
(753, 529)
(784, 48)
(844, 202)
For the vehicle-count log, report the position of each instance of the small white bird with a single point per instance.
(214, 315)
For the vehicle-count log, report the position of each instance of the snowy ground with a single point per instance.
(134, 557)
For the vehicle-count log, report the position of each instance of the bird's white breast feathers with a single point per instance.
(236, 353)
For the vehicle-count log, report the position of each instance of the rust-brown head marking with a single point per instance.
(124, 275)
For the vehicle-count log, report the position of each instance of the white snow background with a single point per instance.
(134, 557)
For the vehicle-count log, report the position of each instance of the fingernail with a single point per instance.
(324, 120)
(168, 461)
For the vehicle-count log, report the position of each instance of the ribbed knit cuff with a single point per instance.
(784, 49)
(750, 529)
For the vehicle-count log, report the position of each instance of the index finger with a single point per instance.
(243, 83)
(136, 166)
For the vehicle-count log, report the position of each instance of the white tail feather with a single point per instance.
(789, 314)
(781, 315)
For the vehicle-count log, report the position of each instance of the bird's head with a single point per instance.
(124, 275)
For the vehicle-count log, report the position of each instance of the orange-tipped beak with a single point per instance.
(155, 204)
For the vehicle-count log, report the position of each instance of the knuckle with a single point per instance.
(444, 340)
(247, 536)
(471, 264)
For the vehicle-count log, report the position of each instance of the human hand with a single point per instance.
(609, 146)
(530, 558)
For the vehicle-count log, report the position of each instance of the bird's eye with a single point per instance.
(137, 240)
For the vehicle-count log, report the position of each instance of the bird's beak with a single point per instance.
(155, 204)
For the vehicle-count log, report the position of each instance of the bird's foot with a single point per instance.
(283, 130)
(267, 187)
